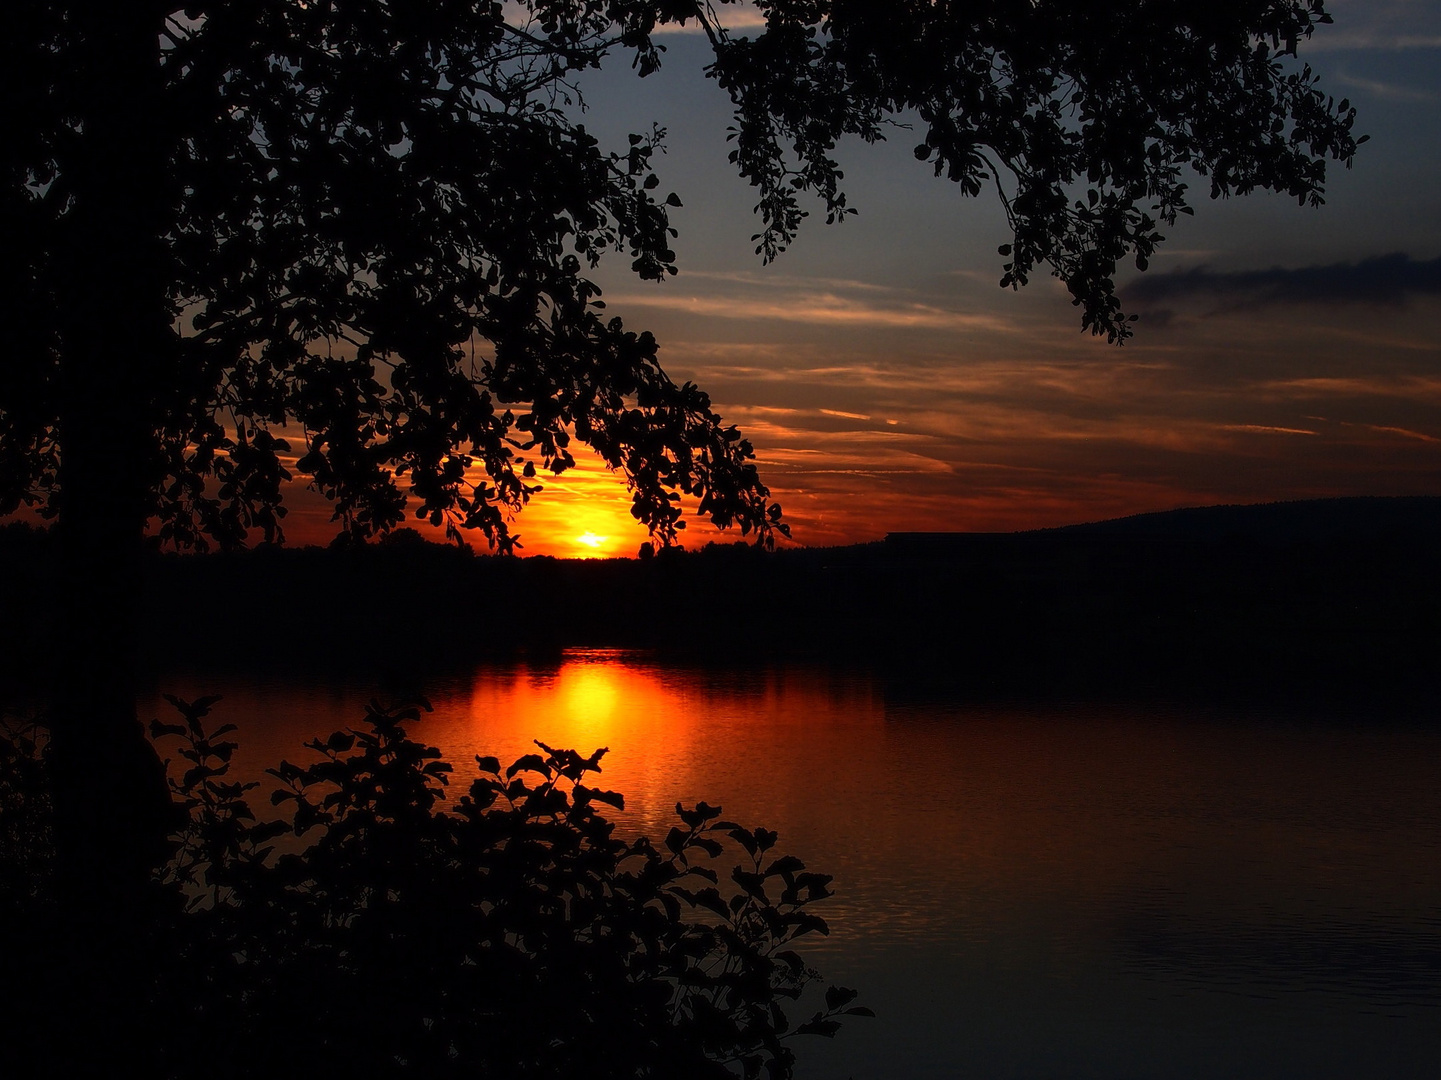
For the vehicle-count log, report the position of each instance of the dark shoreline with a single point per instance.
(1331, 600)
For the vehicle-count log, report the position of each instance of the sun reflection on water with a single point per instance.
(589, 693)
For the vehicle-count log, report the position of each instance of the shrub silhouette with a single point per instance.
(376, 930)
(26, 842)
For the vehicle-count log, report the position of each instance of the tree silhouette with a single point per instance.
(371, 221)
(356, 233)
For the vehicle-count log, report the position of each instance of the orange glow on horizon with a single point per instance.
(584, 513)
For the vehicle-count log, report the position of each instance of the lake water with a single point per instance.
(1057, 891)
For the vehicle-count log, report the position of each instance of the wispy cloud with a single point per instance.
(1388, 91)
(1382, 280)
(1385, 385)
(1381, 25)
(773, 281)
(1267, 429)
(826, 308)
(737, 18)
(1378, 40)
(740, 16)
(1403, 432)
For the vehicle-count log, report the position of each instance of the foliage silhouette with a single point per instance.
(372, 931)
(223, 217)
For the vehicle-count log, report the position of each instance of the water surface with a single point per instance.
(1079, 891)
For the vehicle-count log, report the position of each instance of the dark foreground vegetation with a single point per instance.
(369, 927)
(1327, 597)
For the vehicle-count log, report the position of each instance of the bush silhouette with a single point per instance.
(376, 929)
(26, 843)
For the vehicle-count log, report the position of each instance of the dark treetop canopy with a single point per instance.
(370, 221)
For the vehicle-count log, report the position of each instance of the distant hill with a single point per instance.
(1313, 521)
(1310, 521)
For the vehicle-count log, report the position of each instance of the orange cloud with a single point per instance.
(827, 309)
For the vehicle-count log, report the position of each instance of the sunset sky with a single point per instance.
(889, 384)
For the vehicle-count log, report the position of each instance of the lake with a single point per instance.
(1021, 891)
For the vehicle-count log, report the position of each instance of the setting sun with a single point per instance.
(593, 544)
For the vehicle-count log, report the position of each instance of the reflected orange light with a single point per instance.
(592, 696)
(592, 699)
(590, 693)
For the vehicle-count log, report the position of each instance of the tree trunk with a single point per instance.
(112, 807)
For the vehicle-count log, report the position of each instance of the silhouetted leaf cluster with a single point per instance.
(375, 931)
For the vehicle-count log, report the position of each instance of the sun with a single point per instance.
(592, 541)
